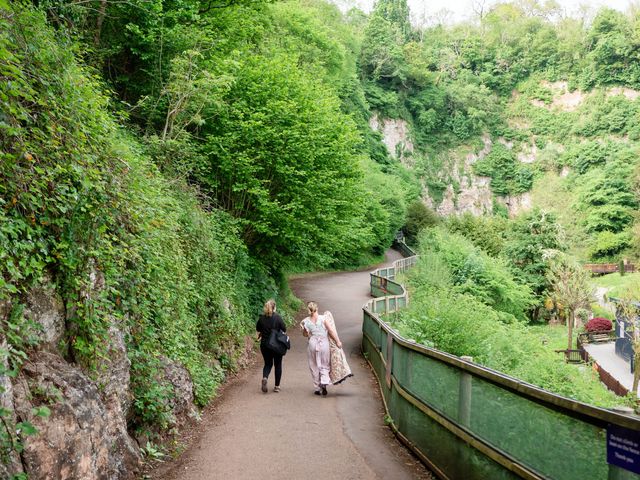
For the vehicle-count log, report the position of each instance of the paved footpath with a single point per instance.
(605, 355)
(295, 434)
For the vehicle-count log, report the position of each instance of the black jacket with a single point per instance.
(266, 324)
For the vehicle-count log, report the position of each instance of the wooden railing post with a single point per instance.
(389, 364)
(464, 399)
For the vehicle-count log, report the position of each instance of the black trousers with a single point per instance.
(271, 359)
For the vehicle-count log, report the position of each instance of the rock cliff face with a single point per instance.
(472, 194)
(395, 136)
(85, 436)
(12, 464)
(517, 204)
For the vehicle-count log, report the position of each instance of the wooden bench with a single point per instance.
(572, 356)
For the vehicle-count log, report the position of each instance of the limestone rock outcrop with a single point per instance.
(395, 135)
(82, 438)
(12, 464)
(85, 435)
(45, 308)
(473, 193)
(181, 403)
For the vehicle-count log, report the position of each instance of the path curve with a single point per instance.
(295, 434)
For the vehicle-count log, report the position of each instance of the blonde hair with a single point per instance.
(269, 307)
(312, 307)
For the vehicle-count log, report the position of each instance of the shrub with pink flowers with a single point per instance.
(598, 324)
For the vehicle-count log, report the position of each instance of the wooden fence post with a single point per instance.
(464, 400)
(389, 364)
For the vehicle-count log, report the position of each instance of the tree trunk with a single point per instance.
(570, 325)
(99, 20)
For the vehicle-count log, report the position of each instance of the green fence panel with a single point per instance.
(395, 288)
(468, 422)
(552, 443)
(392, 304)
(383, 345)
(455, 459)
(429, 380)
(372, 329)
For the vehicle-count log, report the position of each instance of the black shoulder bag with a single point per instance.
(278, 340)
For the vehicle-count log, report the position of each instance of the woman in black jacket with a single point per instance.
(268, 321)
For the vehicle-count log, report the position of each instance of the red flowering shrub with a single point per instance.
(598, 324)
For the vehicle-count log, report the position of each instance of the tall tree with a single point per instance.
(280, 157)
(388, 30)
(530, 235)
(397, 12)
(570, 287)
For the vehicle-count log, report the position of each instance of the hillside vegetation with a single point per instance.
(523, 135)
(548, 103)
(162, 167)
(165, 164)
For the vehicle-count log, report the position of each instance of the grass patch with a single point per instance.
(553, 336)
(615, 283)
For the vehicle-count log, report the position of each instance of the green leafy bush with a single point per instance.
(419, 217)
(487, 233)
(508, 176)
(474, 273)
(606, 198)
(459, 322)
(608, 245)
(584, 156)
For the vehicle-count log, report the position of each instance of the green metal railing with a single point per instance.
(466, 421)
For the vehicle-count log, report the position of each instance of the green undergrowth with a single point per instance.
(459, 305)
(83, 204)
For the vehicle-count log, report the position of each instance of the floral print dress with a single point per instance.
(339, 369)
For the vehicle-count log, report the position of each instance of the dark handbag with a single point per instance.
(278, 340)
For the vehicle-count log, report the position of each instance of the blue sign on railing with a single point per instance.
(623, 448)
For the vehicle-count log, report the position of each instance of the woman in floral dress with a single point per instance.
(318, 328)
(339, 370)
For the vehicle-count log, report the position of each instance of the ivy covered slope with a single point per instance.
(104, 263)
(162, 167)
